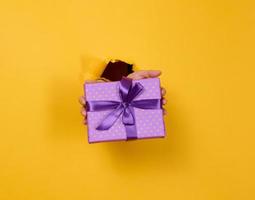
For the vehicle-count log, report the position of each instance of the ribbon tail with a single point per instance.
(110, 119)
(128, 119)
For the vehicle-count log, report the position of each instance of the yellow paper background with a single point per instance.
(205, 50)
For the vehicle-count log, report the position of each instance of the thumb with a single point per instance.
(144, 74)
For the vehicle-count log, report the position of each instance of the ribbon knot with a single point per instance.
(128, 92)
(125, 104)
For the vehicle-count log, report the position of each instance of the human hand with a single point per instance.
(135, 76)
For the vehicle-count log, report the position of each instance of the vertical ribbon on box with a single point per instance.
(125, 108)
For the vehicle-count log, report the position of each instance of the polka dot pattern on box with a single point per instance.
(149, 122)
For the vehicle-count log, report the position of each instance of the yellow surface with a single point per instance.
(205, 50)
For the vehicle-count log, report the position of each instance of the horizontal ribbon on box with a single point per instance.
(128, 92)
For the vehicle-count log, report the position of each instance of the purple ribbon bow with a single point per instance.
(128, 93)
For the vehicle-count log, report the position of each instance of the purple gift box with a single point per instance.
(124, 110)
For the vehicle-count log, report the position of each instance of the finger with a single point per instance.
(90, 81)
(82, 100)
(164, 112)
(97, 81)
(163, 91)
(85, 121)
(83, 112)
(144, 74)
(164, 101)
